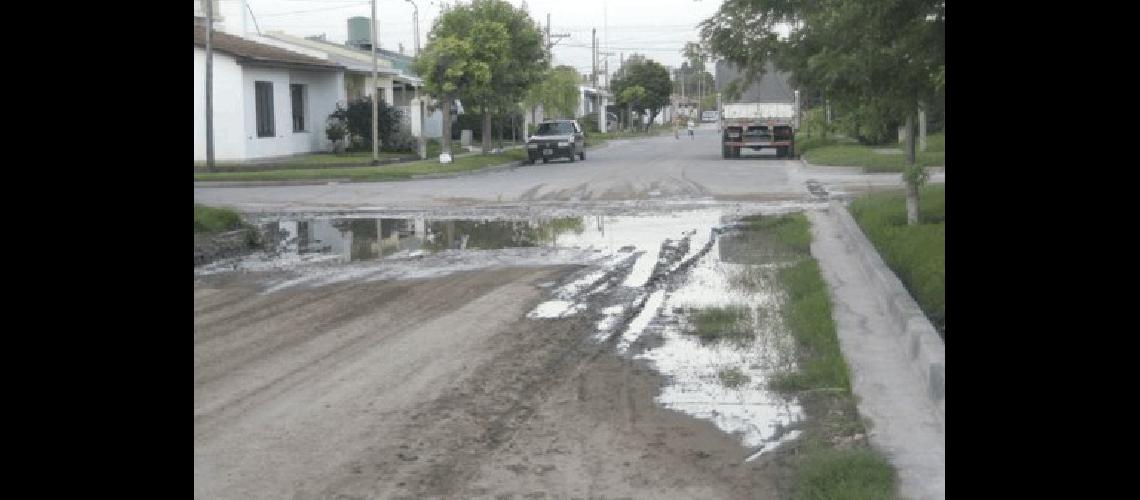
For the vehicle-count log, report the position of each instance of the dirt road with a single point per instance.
(437, 388)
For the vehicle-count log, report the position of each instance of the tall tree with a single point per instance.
(510, 42)
(882, 56)
(651, 76)
(448, 67)
(557, 92)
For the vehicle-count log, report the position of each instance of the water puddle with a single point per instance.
(699, 262)
(642, 277)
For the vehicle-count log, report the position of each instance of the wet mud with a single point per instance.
(531, 356)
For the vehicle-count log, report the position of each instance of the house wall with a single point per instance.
(229, 126)
(324, 89)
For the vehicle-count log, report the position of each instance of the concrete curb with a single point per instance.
(828, 169)
(925, 349)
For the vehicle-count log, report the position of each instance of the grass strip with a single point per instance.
(850, 474)
(729, 323)
(211, 220)
(733, 377)
(829, 152)
(833, 460)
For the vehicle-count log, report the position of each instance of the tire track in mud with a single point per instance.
(665, 273)
(453, 433)
(456, 431)
(312, 325)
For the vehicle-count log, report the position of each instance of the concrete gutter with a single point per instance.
(925, 348)
(896, 360)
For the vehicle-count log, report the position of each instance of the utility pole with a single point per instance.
(375, 92)
(421, 144)
(594, 58)
(550, 35)
(210, 85)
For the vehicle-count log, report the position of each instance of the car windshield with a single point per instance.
(556, 128)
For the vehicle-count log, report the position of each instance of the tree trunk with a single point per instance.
(911, 185)
(487, 132)
(445, 141)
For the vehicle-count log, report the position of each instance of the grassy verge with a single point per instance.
(848, 155)
(304, 162)
(832, 459)
(828, 152)
(916, 254)
(858, 473)
(381, 173)
(211, 220)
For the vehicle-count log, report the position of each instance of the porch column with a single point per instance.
(602, 113)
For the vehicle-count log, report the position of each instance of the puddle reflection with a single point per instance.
(357, 239)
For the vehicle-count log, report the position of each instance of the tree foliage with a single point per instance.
(487, 54)
(557, 92)
(648, 74)
(877, 58)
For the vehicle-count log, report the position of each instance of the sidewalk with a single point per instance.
(897, 392)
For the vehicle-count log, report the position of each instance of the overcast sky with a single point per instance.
(657, 29)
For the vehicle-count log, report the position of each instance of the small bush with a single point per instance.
(400, 140)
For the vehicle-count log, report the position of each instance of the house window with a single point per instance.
(263, 100)
(297, 95)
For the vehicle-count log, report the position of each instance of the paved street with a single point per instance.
(643, 170)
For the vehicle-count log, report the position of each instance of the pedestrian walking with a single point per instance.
(691, 128)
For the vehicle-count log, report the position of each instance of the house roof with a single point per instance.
(352, 59)
(773, 85)
(399, 61)
(249, 50)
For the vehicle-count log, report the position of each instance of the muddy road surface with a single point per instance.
(519, 359)
(523, 333)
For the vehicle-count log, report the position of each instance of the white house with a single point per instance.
(395, 83)
(267, 100)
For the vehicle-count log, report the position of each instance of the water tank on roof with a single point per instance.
(358, 33)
